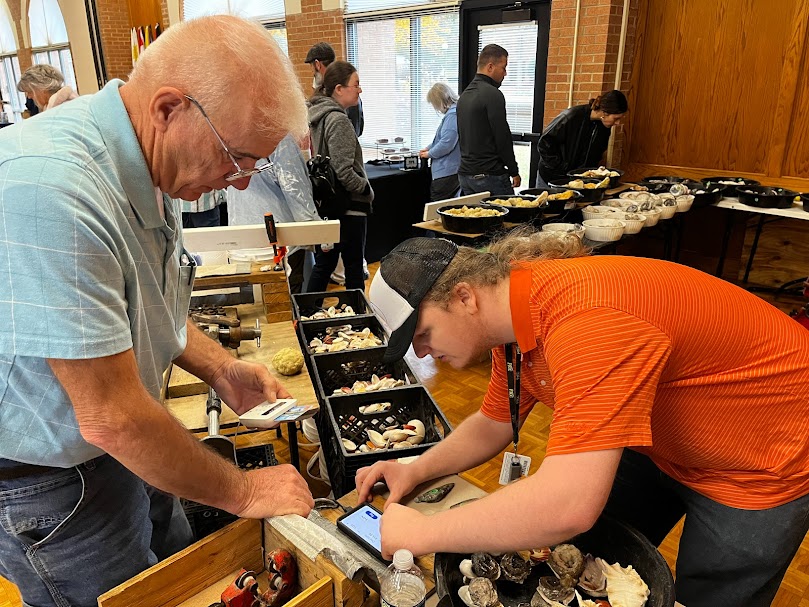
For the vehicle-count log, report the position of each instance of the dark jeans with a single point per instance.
(445, 187)
(70, 535)
(352, 248)
(496, 185)
(203, 219)
(727, 557)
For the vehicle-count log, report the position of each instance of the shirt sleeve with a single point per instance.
(62, 284)
(447, 137)
(551, 145)
(605, 366)
(495, 403)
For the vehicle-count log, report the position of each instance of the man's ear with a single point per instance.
(165, 106)
(466, 296)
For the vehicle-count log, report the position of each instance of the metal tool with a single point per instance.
(226, 330)
(242, 592)
(221, 444)
(272, 235)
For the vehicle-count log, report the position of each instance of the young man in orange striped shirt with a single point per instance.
(673, 392)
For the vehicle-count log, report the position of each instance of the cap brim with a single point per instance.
(401, 338)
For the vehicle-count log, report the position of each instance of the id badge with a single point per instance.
(514, 467)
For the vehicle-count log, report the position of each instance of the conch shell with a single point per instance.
(625, 588)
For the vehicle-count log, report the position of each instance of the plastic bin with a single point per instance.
(306, 304)
(308, 330)
(203, 519)
(407, 402)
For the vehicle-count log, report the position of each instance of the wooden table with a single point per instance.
(190, 409)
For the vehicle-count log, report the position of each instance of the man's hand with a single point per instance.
(425, 153)
(400, 529)
(398, 477)
(243, 385)
(275, 491)
(516, 181)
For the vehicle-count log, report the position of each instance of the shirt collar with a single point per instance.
(126, 154)
(487, 79)
(519, 301)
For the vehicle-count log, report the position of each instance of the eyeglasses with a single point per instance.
(239, 173)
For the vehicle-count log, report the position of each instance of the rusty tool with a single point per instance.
(242, 592)
(227, 331)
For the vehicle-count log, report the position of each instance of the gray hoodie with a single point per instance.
(343, 148)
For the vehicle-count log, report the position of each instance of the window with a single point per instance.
(398, 59)
(364, 6)
(13, 101)
(279, 34)
(261, 10)
(49, 38)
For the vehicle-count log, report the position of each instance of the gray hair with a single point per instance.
(243, 70)
(441, 97)
(42, 77)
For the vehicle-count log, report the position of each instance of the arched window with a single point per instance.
(13, 100)
(49, 38)
(270, 13)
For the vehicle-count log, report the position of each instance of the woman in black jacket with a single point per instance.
(579, 136)
(333, 135)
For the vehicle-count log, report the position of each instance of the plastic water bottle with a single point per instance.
(402, 585)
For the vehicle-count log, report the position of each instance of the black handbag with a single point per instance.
(330, 196)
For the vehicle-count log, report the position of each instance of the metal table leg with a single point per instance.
(294, 456)
(720, 267)
(753, 248)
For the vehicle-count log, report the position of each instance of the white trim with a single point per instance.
(290, 234)
(494, 26)
(391, 309)
(415, 9)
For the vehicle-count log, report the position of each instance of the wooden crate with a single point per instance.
(196, 576)
(277, 303)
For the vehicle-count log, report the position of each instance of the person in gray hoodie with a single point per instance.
(333, 135)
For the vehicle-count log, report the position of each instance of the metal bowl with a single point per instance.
(518, 214)
(614, 181)
(472, 225)
(737, 181)
(591, 196)
(766, 197)
(554, 207)
(609, 539)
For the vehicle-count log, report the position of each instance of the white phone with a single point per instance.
(270, 415)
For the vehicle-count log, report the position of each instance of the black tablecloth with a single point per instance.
(399, 199)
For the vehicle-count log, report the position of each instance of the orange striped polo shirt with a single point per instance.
(708, 380)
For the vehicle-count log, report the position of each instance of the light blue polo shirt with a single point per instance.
(88, 268)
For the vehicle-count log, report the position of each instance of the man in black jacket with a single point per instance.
(321, 56)
(487, 154)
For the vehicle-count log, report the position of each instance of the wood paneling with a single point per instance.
(718, 87)
(145, 12)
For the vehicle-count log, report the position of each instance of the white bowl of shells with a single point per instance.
(597, 212)
(652, 217)
(617, 203)
(564, 228)
(604, 230)
(668, 208)
(684, 202)
(635, 222)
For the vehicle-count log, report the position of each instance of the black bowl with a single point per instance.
(591, 196)
(661, 179)
(554, 207)
(609, 539)
(766, 197)
(711, 193)
(614, 181)
(472, 225)
(805, 200)
(518, 214)
(730, 191)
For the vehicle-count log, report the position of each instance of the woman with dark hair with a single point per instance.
(333, 135)
(579, 136)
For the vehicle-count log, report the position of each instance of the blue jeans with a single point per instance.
(496, 185)
(727, 557)
(70, 535)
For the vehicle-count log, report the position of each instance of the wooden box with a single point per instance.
(196, 576)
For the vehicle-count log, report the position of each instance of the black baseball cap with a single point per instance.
(404, 278)
(322, 51)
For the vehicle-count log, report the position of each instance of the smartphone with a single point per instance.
(362, 525)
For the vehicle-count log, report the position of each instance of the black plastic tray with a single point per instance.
(472, 225)
(306, 304)
(340, 369)
(765, 197)
(556, 206)
(593, 196)
(708, 198)
(408, 402)
(519, 214)
(614, 181)
(308, 330)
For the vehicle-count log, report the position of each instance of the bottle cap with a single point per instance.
(402, 559)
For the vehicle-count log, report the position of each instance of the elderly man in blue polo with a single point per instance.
(94, 293)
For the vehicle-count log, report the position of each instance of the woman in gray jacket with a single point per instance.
(333, 135)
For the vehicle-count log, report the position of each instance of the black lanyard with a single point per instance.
(513, 374)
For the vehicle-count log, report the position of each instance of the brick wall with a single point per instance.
(114, 23)
(313, 24)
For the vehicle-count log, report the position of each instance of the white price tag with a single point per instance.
(505, 471)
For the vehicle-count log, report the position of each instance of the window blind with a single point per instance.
(363, 6)
(520, 40)
(46, 23)
(398, 59)
(261, 10)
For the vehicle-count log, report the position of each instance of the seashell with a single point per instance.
(625, 588)
(567, 563)
(435, 495)
(376, 438)
(394, 435)
(401, 445)
(538, 601)
(484, 565)
(466, 568)
(514, 568)
(349, 445)
(540, 555)
(415, 440)
(463, 592)
(416, 425)
(482, 592)
(592, 580)
(554, 590)
(364, 449)
(584, 602)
